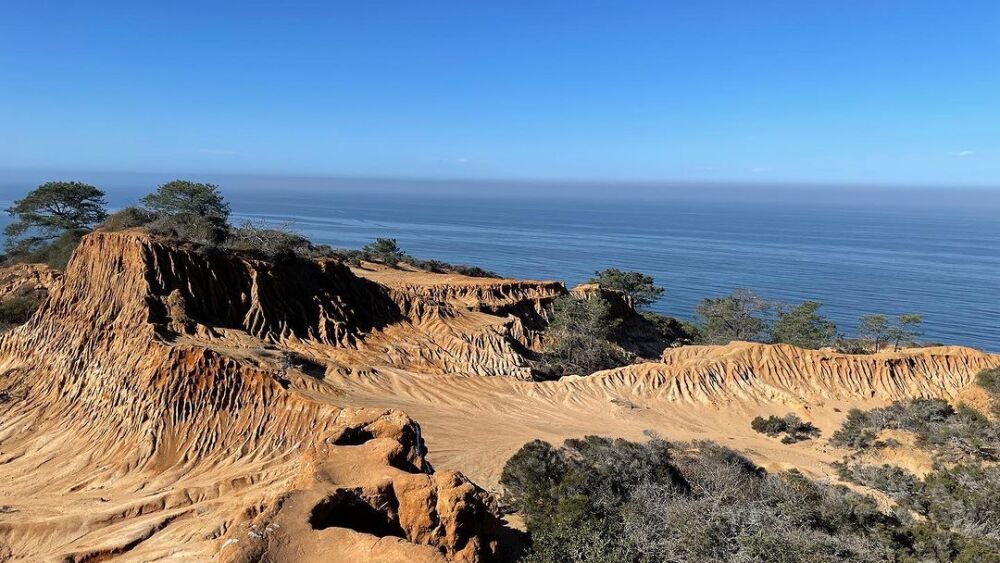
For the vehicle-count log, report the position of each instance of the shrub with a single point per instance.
(598, 499)
(55, 254)
(989, 379)
(388, 252)
(271, 242)
(669, 328)
(127, 218)
(471, 271)
(16, 310)
(579, 336)
(773, 426)
(794, 428)
(894, 481)
(952, 434)
(209, 231)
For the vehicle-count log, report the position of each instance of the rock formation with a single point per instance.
(169, 402)
(156, 441)
(20, 279)
(745, 371)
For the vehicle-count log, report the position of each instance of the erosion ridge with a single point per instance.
(147, 438)
(745, 371)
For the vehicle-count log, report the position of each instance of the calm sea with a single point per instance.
(857, 251)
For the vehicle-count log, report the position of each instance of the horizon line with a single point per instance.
(554, 181)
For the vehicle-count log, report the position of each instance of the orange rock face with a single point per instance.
(131, 425)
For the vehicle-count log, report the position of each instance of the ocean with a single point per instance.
(858, 251)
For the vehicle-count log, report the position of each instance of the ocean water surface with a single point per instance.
(856, 251)
(892, 253)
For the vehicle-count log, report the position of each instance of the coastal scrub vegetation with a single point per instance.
(954, 511)
(579, 336)
(794, 428)
(598, 499)
(953, 434)
(17, 309)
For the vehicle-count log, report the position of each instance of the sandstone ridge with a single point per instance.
(157, 444)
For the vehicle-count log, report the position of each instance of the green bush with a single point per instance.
(599, 499)
(208, 231)
(794, 428)
(55, 254)
(16, 310)
(579, 337)
(894, 481)
(989, 379)
(952, 434)
(127, 218)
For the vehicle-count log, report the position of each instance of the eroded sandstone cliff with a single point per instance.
(124, 430)
(745, 371)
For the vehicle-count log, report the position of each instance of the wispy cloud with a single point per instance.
(760, 169)
(963, 154)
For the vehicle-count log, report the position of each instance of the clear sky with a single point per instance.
(868, 91)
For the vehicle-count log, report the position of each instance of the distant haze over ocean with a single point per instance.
(858, 250)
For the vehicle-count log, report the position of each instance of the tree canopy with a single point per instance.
(640, 287)
(801, 326)
(50, 211)
(877, 330)
(384, 249)
(190, 210)
(183, 197)
(579, 335)
(741, 315)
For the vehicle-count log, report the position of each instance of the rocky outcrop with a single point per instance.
(31, 279)
(125, 392)
(526, 305)
(752, 372)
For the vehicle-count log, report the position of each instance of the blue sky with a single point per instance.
(873, 91)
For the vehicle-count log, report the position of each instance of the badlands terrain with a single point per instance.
(170, 404)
